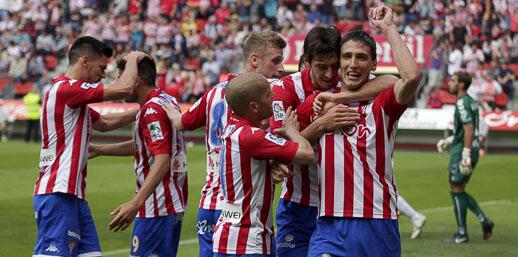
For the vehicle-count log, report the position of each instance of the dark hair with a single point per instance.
(88, 46)
(146, 70)
(321, 41)
(362, 37)
(464, 78)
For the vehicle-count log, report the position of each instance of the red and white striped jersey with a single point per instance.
(245, 225)
(66, 123)
(292, 90)
(354, 165)
(210, 110)
(155, 134)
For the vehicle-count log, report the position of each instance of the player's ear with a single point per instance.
(374, 65)
(253, 107)
(254, 59)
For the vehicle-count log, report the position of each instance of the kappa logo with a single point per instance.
(278, 83)
(361, 129)
(149, 111)
(52, 248)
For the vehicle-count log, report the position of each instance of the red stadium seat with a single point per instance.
(4, 81)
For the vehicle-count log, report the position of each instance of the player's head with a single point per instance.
(357, 58)
(146, 74)
(262, 51)
(249, 94)
(460, 81)
(321, 55)
(90, 56)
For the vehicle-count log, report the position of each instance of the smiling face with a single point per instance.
(356, 64)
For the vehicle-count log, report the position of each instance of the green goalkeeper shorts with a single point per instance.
(454, 174)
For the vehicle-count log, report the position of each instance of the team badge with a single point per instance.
(278, 111)
(155, 131)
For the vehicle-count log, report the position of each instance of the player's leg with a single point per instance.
(89, 242)
(295, 225)
(373, 237)
(57, 219)
(418, 219)
(177, 230)
(328, 238)
(460, 203)
(205, 223)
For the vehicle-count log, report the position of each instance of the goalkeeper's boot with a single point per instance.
(487, 228)
(457, 239)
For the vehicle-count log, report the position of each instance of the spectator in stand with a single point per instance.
(437, 67)
(4, 122)
(489, 89)
(472, 56)
(506, 77)
(455, 59)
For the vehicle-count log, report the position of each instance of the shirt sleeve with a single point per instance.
(465, 111)
(81, 93)
(156, 129)
(94, 115)
(284, 96)
(261, 145)
(305, 112)
(387, 100)
(196, 116)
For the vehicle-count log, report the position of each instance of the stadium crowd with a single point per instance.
(197, 42)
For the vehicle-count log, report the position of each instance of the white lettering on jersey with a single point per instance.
(278, 110)
(155, 131)
(149, 111)
(276, 140)
(231, 213)
(47, 156)
(88, 85)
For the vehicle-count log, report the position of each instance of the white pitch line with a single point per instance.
(438, 209)
(126, 250)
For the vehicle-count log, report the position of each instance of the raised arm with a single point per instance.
(381, 17)
(114, 121)
(125, 85)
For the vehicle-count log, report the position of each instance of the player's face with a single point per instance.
(270, 63)
(265, 102)
(96, 69)
(453, 84)
(323, 71)
(355, 64)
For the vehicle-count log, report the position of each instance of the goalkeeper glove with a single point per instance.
(443, 144)
(465, 164)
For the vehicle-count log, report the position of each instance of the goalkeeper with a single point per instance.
(464, 157)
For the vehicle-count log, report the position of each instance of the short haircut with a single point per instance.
(322, 42)
(88, 46)
(362, 37)
(464, 78)
(146, 70)
(244, 89)
(258, 41)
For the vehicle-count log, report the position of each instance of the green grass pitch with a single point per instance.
(421, 179)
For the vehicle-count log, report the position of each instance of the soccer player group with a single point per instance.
(330, 143)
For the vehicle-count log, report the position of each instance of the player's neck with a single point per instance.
(253, 119)
(461, 93)
(74, 73)
(143, 92)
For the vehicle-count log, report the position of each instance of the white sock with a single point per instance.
(405, 208)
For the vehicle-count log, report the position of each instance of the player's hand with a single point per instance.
(465, 164)
(124, 215)
(320, 102)
(290, 124)
(339, 116)
(280, 171)
(93, 151)
(173, 114)
(442, 146)
(381, 17)
(135, 56)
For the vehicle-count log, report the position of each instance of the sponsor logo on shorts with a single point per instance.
(203, 227)
(287, 242)
(326, 255)
(74, 235)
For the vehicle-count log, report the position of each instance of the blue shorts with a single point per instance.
(350, 237)
(242, 255)
(65, 226)
(159, 236)
(205, 223)
(295, 225)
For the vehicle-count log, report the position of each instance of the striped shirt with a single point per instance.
(246, 222)
(154, 135)
(66, 123)
(210, 111)
(354, 165)
(292, 90)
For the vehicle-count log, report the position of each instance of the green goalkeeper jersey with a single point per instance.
(466, 111)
